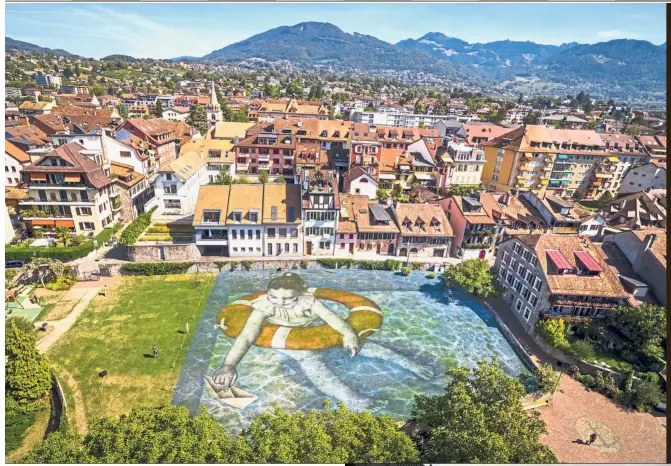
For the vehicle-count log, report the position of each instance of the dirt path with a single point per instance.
(86, 291)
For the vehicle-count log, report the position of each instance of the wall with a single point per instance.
(298, 240)
(12, 171)
(346, 239)
(653, 273)
(423, 249)
(366, 186)
(113, 149)
(457, 221)
(9, 230)
(627, 243)
(643, 177)
(252, 247)
(173, 252)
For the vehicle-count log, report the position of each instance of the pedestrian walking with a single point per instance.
(154, 350)
(592, 438)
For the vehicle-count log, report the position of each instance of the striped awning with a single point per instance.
(38, 177)
(73, 178)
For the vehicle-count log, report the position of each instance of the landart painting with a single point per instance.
(369, 339)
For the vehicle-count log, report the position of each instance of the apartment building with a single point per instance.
(36, 108)
(15, 160)
(477, 224)
(365, 226)
(283, 235)
(66, 188)
(609, 172)
(177, 186)
(321, 208)
(47, 80)
(176, 113)
(397, 119)
(366, 149)
(468, 163)
(656, 147)
(244, 220)
(425, 231)
(133, 188)
(534, 157)
(209, 220)
(292, 108)
(560, 215)
(549, 275)
(356, 181)
(159, 138)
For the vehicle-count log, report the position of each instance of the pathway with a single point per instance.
(90, 291)
(575, 412)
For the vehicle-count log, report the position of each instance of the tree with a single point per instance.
(579, 195)
(605, 198)
(368, 108)
(294, 90)
(158, 109)
(645, 324)
(263, 176)
(226, 112)
(420, 125)
(520, 99)
(61, 447)
(97, 91)
(63, 235)
(633, 130)
(479, 419)
(464, 190)
(328, 436)
(592, 124)
(198, 119)
(21, 323)
(45, 268)
(224, 177)
(27, 373)
(381, 194)
(553, 331)
(547, 378)
(123, 111)
(396, 191)
(473, 275)
(67, 72)
(78, 72)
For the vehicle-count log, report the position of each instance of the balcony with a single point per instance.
(264, 158)
(242, 166)
(114, 194)
(47, 185)
(287, 156)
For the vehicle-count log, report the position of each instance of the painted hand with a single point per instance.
(351, 343)
(226, 376)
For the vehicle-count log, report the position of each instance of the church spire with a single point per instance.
(214, 103)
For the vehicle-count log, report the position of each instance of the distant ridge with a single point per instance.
(13, 44)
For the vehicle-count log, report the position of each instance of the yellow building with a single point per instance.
(535, 158)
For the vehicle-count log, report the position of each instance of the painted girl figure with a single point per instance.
(288, 303)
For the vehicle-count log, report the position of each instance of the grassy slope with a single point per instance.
(117, 333)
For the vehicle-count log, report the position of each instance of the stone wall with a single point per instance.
(172, 252)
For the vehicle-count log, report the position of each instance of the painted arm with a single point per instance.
(350, 339)
(243, 342)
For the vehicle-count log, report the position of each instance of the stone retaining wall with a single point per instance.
(517, 347)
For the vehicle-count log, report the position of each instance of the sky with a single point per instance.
(175, 29)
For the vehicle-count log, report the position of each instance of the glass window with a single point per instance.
(295, 247)
(270, 248)
(518, 305)
(294, 232)
(271, 232)
(235, 236)
(527, 313)
(537, 284)
(258, 234)
(283, 232)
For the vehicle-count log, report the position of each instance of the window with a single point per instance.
(525, 293)
(283, 233)
(271, 232)
(211, 216)
(517, 248)
(237, 217)
(533, 261)
(518, 285)
(235, 234)
(529, 277)
(86, 226)
(351, 236)
(124, 154)
(258, 234)
(253, 217)
(83, 211)
(527, 313)
(294, 232)
(513, 262)
(537, 284)
(342, 245)
(518, 305)
(172, 203)
(502, 272)
(533, 299)
(286, 247)
(505, 257)
(521, 270)
(84, 195)
(242, 234)
(243, 249)
(168, 176)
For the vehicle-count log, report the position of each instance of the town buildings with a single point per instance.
(15, 160)
(397, 119)
(160, 139)
(68, 188)
(550, 275)
(365, 226)
(282, 220)
(425, 231)
(292, 108)
(637, 210)
(643, 178)
(321, 209)
(47, 80)
(133, 188)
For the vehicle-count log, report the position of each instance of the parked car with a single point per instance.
(14, 264)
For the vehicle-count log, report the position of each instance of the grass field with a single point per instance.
(116, 333)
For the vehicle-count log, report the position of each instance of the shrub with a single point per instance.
(247, 264)
(605, 384)
(586, 379)
(77, 240)
(392, 265)
(405, 271)
(416, 265)
(158, 228)
(333, 263)
(61, 284)
(547, 378)
(431, 275)
(582, 349)
(9, 275)
(156, 237)
(156, 268)
(646, 395)
(553, 331)
(133, 231)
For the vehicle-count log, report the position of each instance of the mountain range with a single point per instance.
(624, 64)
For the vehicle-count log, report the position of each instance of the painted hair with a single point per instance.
(287, 281)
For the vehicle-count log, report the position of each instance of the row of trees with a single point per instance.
(477, 419)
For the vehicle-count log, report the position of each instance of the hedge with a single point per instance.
(66, 253)
(156, 268)
(388, 264)
(133, 231)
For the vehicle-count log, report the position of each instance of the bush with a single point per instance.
(547, 378)
(61, 284)
(158, 228)
(646, 395)
(133, 231)
(416, 265)
(587, 380)
(582, 349)
(234, 265)
(431, 275)
(333, 263)
(220, 264)
(9, 275)
(156, 237)
(156, 268)
(553, 331)
(405, 271)
(606, 385)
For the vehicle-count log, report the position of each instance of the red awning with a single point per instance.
(43, 223)
(65, 223)
(558, 260)
(38, 177)
(73, 178)
(588, 261)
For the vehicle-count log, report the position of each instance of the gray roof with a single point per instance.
(379, 213)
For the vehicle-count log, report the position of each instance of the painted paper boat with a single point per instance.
(232, 396)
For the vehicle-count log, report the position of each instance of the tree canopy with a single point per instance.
(479, 419)
(198, 119)
(27, 376)
(645, 324)
(473, 275)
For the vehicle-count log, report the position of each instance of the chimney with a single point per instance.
(648, 241)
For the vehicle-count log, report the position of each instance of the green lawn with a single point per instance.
(116, 333)
(589, 205)
(613, 361)
(120, 74)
